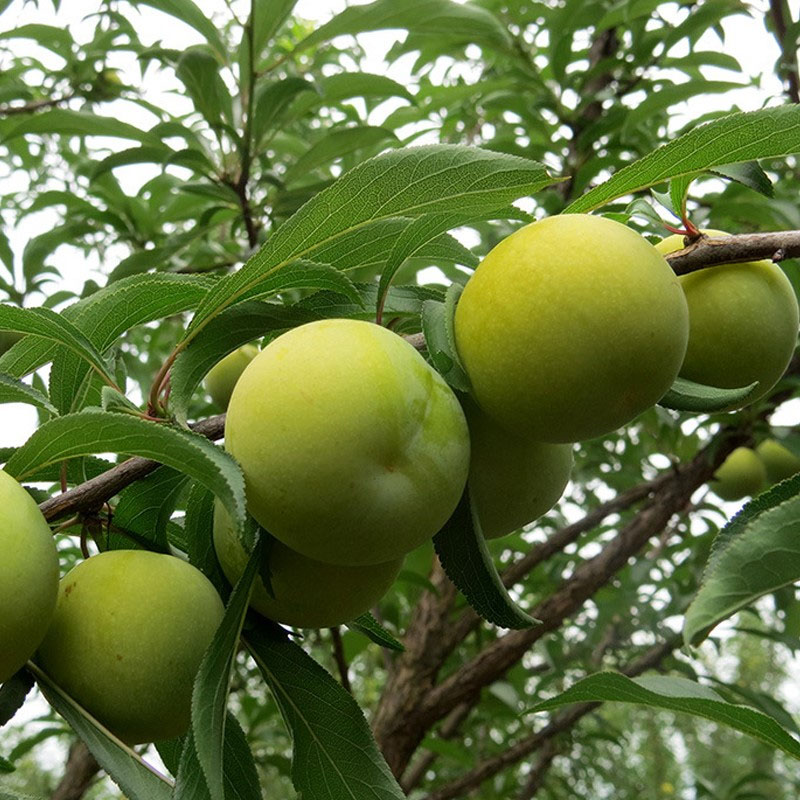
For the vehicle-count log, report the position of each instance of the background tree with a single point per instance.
(160, 193)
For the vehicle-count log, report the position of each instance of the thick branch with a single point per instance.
(91, 495)
(560, 723)
(399, 738)
(78, 775)
(710, 252)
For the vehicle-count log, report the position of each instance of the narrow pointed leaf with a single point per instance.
(375, 632)
(406, 182)
(135, 777)
(13, 693)
(676, 694)
(756, 553)
(13, 390)
(464, 557)
(98, 432)
(210, 694)
(78, 123)
(768, 133)
(335, 756)
(685, 395)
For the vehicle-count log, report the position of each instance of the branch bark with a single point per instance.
(79, 773)
(36, 105)
(787, 66)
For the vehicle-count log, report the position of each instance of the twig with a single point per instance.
(787, 66)
(36, 105)
(338, 657)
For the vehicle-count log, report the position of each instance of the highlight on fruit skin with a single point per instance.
(303, 592)
(742, 474)
(512, 480)
(779, 462)
(28, 576)
(127, 638)
(570, 328)
(354, 450)
(743, 322)
(222, 377)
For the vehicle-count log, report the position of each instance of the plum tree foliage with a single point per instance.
(467, 450)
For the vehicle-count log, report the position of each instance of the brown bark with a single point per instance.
(79, 773)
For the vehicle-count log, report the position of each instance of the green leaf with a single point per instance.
(465, 558)
(670, 94)
(361, 84)
(211, 686)
(406, 182)
(757, 552)
(273, 100)
(13, 693)
(145, 507)
(98, 432)
(685, 395)
(78, 123)
(267, 19)
(375, 632)
(58, 40)
(676, 694)
(199, 73)
(239, 773)
(439, 18)
(335, 755)
(335, 144)
(186, 11)
(13, 390)
(55, 327)
(198, 528)
(126, 768)
(440, 350)
(768, 133)
(748, 174)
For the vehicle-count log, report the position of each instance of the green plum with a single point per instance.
(222, 377)
(354, 450)
(127, 638)
(512, 480)
(570, 328)
(742, 474)
(743, 321)
(304, 593)
(779, 462)
(28, 576)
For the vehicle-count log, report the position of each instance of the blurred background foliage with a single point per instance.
(123, 149)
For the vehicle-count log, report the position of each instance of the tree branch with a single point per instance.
(787, 65)
(338, 657)
(92, 494)
(559, 724)
(78, 775)
(710, 252)
(36, 105)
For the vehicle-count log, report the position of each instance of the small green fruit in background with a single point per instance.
(304, 593)
(354, 450)
(743, 321)
(222, 377)
(742, 474)
(570, 328)
(127, 638)
(28, 576)
(512, 480)
(779, 462)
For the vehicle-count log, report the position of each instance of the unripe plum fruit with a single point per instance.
(28, 576)
(779, 462)
(743, 321)
(222, 377)
(570, 328)
(305, 593)
(354, 450)
(127, 638)
(512, 481)
(741, 474)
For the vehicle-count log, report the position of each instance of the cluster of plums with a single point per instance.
(355, 452)
(746, 472)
